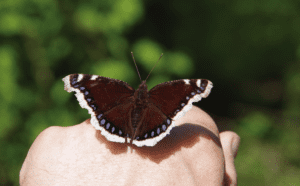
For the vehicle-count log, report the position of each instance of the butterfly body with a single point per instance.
(141, 116)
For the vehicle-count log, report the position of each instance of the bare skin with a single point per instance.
(194, 154)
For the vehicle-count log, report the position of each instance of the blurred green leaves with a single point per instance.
(147, 52)
(121, 15)
(280, 7)
(58, 48)
(8, 74)
(10, 24)
(256, 124)
(179, 63)
(115, 69)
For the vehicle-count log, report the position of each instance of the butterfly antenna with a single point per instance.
(136, 66)
(154, 66)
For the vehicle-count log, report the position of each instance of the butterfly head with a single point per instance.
(143, 83)
(143, 86)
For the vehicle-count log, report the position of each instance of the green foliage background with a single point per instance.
(250, 50)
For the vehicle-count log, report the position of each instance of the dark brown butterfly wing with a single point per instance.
(168, 102)
(107, 100)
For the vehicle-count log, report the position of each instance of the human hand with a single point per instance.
(193, 154)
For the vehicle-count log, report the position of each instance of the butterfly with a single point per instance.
(124, 114)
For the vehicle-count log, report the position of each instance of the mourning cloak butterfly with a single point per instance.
(141, 116)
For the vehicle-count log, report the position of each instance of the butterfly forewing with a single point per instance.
(103, 92)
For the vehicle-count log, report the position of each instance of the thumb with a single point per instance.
(230, 142)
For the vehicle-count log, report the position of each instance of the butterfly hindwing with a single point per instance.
(155, 126)
(117, 123)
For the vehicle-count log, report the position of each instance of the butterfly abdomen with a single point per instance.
(136, 116)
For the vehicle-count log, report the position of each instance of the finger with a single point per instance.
(230, 142)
